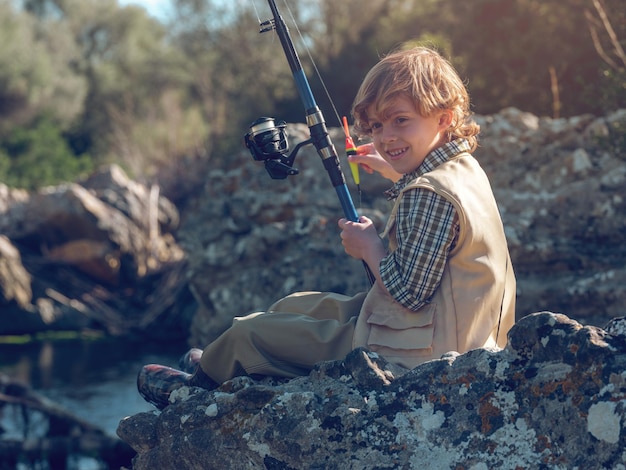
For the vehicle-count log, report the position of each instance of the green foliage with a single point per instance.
(39, 156)
(36, 73)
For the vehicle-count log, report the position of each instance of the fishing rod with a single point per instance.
(267, 139)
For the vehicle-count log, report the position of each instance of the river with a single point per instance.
(95, 379)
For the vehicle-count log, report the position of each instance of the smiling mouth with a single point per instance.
(397, 152)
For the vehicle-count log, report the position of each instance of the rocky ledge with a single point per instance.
(555, 398)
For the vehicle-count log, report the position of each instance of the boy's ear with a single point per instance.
(445, 118)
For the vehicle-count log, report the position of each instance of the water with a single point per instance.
(93, 379)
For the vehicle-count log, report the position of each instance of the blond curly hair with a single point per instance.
(425, 77)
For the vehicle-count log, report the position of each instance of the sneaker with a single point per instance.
(190, 361)
(155, 383)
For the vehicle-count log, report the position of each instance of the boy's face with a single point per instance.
(403, 137)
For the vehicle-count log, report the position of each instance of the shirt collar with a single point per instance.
(433, 160)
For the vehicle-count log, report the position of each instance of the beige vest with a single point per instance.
(474, 305)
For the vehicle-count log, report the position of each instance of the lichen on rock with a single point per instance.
(554, 397)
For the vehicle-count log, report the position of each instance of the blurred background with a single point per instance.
(87, 82)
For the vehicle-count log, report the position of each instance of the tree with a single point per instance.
(236, 74)
(120, 86)
(134, 112)
(36, 71)
(509, 47)
(608, 43)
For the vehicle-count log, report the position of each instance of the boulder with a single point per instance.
(15, 282)
(555, 397)
(93, 254)
(560, 187)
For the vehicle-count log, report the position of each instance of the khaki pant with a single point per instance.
(294, 334)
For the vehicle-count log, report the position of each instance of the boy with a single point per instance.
(445, 282)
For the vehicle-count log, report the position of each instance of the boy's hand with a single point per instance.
(370, 160)
(361, 241)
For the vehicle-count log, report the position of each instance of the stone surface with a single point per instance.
(96, 254)
(15, 280)
(560, 186)
(555, 398)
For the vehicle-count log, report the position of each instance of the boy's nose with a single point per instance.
(387, 136)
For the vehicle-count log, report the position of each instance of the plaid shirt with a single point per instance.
(426, 230)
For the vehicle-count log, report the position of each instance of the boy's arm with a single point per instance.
(426, 230)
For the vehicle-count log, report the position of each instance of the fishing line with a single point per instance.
(258, 18)
(267, 139)
(256, 12)
(319, 76)
(317, 72)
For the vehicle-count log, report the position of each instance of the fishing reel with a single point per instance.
(267, 142)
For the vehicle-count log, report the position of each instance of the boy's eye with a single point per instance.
(375, 125)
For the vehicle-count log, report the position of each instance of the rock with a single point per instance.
(73, 225)
(111, 253)
(15, 280)
(10, 196)
(100, 254)
(555, 397)
(143, 205)
(559, 184)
